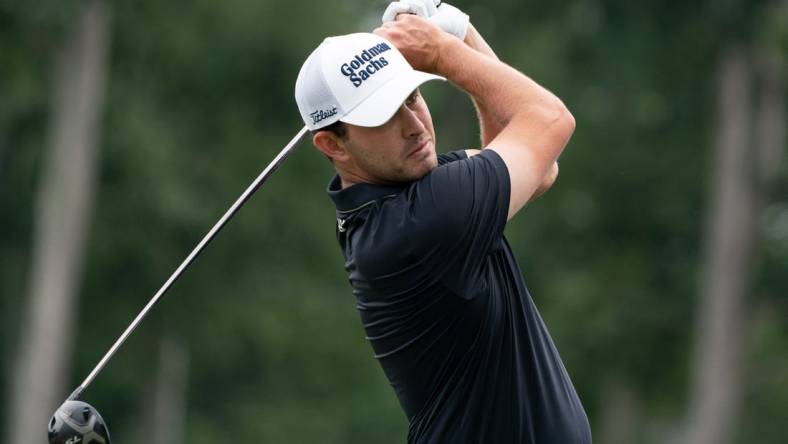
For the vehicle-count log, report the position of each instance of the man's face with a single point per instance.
(400, 150)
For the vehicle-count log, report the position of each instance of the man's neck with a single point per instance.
(348, 179)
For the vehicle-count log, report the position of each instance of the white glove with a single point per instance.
(422, 8)
(445, 16)
(451, 20)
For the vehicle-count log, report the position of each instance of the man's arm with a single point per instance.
(547, 182)
(489, 126)
(536, 124)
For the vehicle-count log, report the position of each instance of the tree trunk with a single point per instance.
(620, 415)
(742, 173)
(770, 125)
(731, 229)
(64, 205)
(164, 420)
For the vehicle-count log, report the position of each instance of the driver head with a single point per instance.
(76, 422)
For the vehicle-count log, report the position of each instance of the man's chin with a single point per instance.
(425, 166)
(432, 161)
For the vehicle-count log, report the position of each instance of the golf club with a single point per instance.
(78, 422)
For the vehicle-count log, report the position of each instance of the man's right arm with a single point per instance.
(536, 124)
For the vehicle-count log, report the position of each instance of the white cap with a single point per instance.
(361, 79)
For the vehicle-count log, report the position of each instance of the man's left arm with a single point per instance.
(457, 23)
(547, 182)
(490, 127)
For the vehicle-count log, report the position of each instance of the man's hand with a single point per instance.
(529, 125)
(451, 20)
(417, 39)
(422, 8)
(445, 16)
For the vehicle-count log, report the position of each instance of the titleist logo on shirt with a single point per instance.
(364, 65)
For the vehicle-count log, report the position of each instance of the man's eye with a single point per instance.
(412, 98)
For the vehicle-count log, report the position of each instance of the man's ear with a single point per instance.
(329, 144)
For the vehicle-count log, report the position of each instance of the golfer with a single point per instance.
(441, 297)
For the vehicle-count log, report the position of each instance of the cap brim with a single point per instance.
(381, 105)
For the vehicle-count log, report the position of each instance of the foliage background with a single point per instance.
(199, 98)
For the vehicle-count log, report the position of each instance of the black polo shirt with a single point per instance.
(446, 310)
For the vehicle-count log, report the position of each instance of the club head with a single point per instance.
(77, 422)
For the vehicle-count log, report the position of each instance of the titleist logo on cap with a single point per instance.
(355, 69)
(320, 115)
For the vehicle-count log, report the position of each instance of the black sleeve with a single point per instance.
(451, 156)
(458, 213)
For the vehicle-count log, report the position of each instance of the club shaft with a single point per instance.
(205, 240)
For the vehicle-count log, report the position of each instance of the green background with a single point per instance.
(200, 97)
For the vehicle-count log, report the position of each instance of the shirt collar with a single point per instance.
(356, 196)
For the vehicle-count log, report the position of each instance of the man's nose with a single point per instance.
(412, 126)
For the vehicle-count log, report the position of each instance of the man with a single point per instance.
(440, 295)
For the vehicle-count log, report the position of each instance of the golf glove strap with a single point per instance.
(445, 16)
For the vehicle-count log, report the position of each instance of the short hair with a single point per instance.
(338, 128)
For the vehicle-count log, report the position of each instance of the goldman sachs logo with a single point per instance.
(364, 65)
